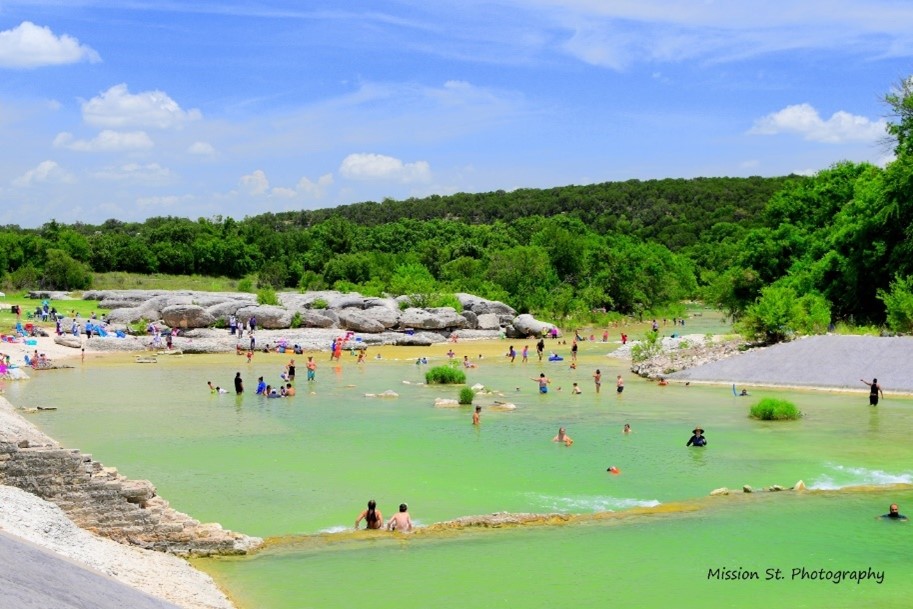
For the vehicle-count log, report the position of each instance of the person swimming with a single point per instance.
(372, 517)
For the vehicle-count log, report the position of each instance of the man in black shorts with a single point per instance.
(875, 391)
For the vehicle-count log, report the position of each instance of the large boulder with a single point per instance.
(352, 300)
(127, 315)
(224, 310)
(186, 316)
(480, 306)
(269, 317)
(386, 316)
(432, 319)
(488, 321)
(472, 321)
(527, 325)
(311, 318)
(357, 321)
(388, 303)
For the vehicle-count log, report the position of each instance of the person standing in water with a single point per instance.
(540, 348)
(619, 385)
(697, 438)
(477, 416)
(543, 382)
(401, 521)
(311, 368)
(875, 391)
(597, 379)
(372, 517)
(239, 384)
(563, 437)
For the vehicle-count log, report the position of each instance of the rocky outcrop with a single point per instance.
(186, 316)
(101, 500)
(324, 309)
(431, 319)
(675, 354)
(267, 316)
(356, 320)
(527, 325)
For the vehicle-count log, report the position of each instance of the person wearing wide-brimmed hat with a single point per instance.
(697, 438)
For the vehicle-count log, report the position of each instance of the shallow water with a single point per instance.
(308, 464)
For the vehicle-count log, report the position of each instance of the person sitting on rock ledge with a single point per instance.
(401, 521)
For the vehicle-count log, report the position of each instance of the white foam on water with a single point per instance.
(844, 476)
(336, 529)
(599, 503)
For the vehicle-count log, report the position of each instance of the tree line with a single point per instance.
(781, 255)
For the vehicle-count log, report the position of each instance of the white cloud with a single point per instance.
(150, 173)
(315, 189)
(30, 46)
(370, 166)
(118, 108)
(280, 192)
(255, 183)
(804, 120)
(201, 148)
(106, 141)
(46, 171)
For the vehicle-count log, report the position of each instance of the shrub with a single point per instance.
(220, 323)
(267, 296)
(445, 375)
(771, 409)
(650, 346)
(319, 303)
(297, 322)
(246, 285)
(466, 396)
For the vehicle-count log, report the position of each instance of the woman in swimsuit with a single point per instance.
(371, 516)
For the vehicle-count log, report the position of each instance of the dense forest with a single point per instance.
(783, 255)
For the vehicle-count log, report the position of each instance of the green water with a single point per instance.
(308, 464)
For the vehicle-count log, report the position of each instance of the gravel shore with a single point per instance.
(831, 362)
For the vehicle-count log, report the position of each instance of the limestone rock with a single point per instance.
(315, 318)
(186, 316)
(445, 403)
(747, 489)
(268, 317)
(527, 325)
(472, 320)
(357, 321)
(419, 339)
(389, 393)
(799, 486)
(488, 321)
(431, 319)
(480, 306)
(775, 488)
(352, 300)
(719, 491)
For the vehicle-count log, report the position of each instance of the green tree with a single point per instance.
(899, 304)
(61, 272)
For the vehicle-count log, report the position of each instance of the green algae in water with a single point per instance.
(309, 464)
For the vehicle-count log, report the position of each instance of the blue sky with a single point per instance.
(136, 108)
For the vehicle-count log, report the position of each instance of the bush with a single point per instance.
(319, 303)
(650, 346)
(466, 396)
(267, 296)
(445, 375)
(297, 322)
(246, 285)
(771, 409)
